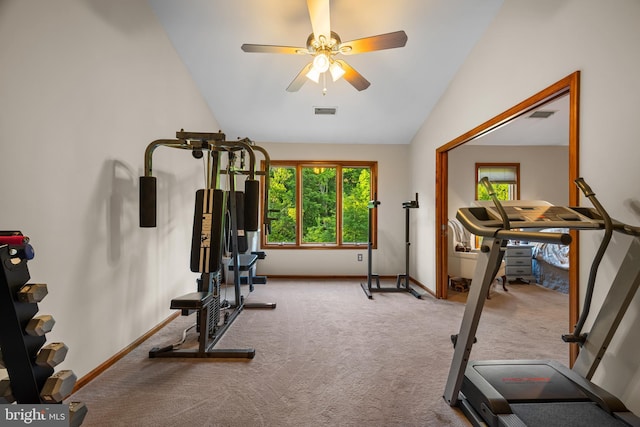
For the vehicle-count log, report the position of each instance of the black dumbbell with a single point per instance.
(40, 325)
(58, 386)
(52, 354)
(32, 292)
(77, 412)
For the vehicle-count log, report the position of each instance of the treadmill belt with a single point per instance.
(564, 414)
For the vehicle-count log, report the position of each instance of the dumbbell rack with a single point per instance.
(28, 379)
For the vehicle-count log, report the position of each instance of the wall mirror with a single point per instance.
(504, 138)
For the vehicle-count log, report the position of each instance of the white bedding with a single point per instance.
(556, 255)
(552, 263)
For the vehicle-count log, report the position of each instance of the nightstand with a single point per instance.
(518, 260)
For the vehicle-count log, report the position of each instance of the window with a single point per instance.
(320, 204)
(505, 178)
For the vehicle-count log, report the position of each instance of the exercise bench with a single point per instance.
(202, 303)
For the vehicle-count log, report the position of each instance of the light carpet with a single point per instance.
(326, 355)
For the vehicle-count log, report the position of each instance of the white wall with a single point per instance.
(544, 172)
(393, 190)
(529, 46)
(84, 87)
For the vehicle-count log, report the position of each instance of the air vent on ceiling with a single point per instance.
(541, 114)
(324, 111)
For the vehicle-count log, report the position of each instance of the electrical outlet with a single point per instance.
(359, 257)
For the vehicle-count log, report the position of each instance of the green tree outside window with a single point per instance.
(333, 196)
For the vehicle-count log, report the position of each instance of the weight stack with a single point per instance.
(214, 309)
(22, 336)
(208, 226)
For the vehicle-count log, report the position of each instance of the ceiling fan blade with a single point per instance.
(297, 83)
(352, 76)
(379, 42)
(320, 19)
(264, 48)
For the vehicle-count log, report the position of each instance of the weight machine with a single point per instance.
(213, 207)
(541, 392)
(402, 280)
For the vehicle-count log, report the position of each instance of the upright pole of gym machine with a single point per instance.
(231, 176)
(368, 290)
(413, 204)
(373, 204)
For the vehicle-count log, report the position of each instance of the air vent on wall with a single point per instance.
(540, 114)
(324, 111)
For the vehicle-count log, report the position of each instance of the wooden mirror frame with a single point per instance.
(569, 85)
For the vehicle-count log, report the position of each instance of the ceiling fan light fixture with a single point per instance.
(336, 71)
(323, 44)
(313, 75)
(321, 62)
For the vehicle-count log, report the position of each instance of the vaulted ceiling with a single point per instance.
(246, 92)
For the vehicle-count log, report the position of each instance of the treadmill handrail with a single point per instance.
(467, 217)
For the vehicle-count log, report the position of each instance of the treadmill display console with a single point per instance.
(544, 217)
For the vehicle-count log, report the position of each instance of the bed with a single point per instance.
(551, 263)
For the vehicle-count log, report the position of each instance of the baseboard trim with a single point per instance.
(111, 361)
(423, 287)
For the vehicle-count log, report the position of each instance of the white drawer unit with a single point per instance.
(518, 260)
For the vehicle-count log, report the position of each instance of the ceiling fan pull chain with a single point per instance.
(324, 84)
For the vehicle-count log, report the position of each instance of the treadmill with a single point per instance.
(541, 392)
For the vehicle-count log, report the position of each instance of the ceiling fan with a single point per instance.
(324, 44)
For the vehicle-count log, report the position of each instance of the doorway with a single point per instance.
(568, 86)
